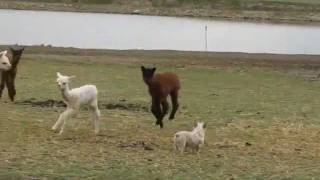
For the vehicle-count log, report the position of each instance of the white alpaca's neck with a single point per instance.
(198, 132)
(66, 93)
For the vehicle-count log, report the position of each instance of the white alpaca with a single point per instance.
(75, 98)
(4, 61)
(192, 139)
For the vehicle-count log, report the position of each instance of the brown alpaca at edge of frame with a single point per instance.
(160, 86)
(8, 77)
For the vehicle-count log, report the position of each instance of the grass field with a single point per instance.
(262, 114)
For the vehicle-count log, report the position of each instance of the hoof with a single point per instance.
(54, 129)
(160, 124)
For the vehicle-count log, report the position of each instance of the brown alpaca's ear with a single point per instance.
(16, 47)
(154, 69)
(143, 68)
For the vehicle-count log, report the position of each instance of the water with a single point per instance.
(112, 31)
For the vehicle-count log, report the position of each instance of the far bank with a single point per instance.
(304, 12)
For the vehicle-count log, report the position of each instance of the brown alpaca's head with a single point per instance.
(147, 73)
(17, 50)
(16, 54)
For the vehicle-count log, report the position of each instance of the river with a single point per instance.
(115, 31)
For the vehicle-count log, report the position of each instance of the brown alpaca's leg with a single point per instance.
(2, 84)
(175, 104)
(156, 111)
(165, 108)
(10, 86)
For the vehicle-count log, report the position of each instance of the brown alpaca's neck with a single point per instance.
(15, 61)
(14, 58)
(149, 81)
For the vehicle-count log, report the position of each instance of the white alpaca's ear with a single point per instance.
(58, 74)
(71, 77)
(195, 124)
(2, 53)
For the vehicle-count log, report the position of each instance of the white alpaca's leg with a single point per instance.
(181, 144)
(62, 126)
(96, 120)
(197, 149)
(69, 113)
(182, 147)
(95, 116)
(59, 121)
(62, 119)
(175, 147)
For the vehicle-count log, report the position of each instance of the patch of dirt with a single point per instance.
(226, 145)
(148, 146)
(43, 104)
(121, 104)
(124, 106)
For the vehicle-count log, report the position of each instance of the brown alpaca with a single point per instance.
(8, 77)
(160, 86)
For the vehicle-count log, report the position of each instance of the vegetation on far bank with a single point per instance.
(259, 10)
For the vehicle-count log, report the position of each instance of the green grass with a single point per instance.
(274, 113)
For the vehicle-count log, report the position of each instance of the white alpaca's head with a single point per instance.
(4, 61)
(63, 81)
(200, 126)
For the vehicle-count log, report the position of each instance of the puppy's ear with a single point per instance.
(143, 68)
(204, 125)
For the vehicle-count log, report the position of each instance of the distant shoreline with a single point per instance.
(211, 59)
(270, 16)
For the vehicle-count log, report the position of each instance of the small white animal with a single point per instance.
(75, 98)
(4, 61)
(192, 139)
